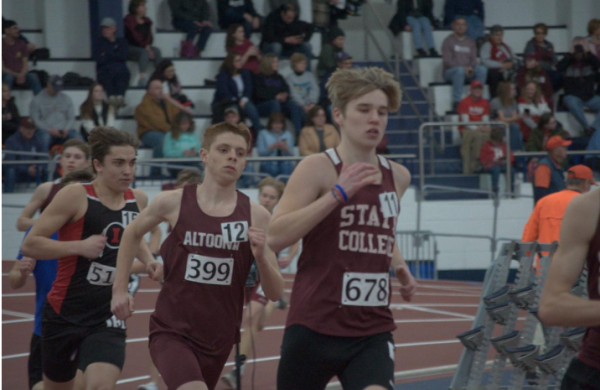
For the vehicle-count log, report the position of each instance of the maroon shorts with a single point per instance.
(256, 294)
(179, 362)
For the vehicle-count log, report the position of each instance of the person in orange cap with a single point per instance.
(548, 176)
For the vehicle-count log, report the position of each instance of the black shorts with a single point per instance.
(580, 376)
(309, 360)
(67, 347)
(34, 364)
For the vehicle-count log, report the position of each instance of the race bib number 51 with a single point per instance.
(101, 275)
(365, 289)
(209, 270)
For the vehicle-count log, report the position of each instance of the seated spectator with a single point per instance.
(182, 140)
(498, 57)
(547, 127)
(238, 44)
(276, 141)
(30, 46)
(579, 68)
(470, 10)
(238, 12)
(27, 139)
(155, 117)
(329, 51)
(549, 174)
(284, 34)
(138, 32)
(416, 16)
(593, 39)
(192, 17)
(303, 84)
(318, 135)
(534, 72)
(505, 109)
(531, 107)
(172, 90)
(272, 93)
(95, 111)
(10, 114)
(275, 4)
(326, 13)
(15, 68)
(543, 52)
(111, 63)
(473, 108)
(52, 112)
(593, 160)
(459, 54)
(344, 61)
(493, 158)
(232, 116)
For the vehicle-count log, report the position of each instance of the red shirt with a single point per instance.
(494, 154)
(474, 108)
(12, 55)
(252, 64)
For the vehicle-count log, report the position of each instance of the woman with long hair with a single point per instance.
(95, 111)
(172, 90)
(237, 43)
(531, 105)
(534, 71)
(138, 32)
(318, 135)
(276, 141)
(504, 108)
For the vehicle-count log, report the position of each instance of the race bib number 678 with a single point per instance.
(365, 289)
(209, 270)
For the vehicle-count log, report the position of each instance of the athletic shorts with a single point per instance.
(178, 362)
(258, 295)
(67, 347)
(34, 364)
(580, 376)
(309, 360)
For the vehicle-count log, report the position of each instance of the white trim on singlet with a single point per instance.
(384, 161)
(333, 155)
(93, 198)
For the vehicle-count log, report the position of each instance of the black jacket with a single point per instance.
(406, 8)
(276, 30)
(267, 87)
(11, 126)
(579, 76)
(223, 5)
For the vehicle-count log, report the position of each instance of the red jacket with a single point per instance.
(494, 154)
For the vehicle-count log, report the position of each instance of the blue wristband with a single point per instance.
(339, 187)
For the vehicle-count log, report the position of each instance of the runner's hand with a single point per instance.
(408, 282)
(356, 176)
(284, 261)
(121, 305)
(26, 266)
(92, 247)
(257, 239)
(155, 271)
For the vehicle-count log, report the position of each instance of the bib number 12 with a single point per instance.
(365, 289)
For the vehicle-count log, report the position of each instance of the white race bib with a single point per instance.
(389, 204)
(101, 275)
(209, 270)
(114, 322)
(235, 231)
(365, 289)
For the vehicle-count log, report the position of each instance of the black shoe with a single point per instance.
(433, 53)
(421, 53)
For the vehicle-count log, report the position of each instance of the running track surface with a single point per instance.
(425, 334)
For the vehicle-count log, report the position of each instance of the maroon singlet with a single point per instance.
(342, 286)
(590, 349)
(206, 262)
(53, 191)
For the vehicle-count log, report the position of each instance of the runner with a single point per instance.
(344, 204)
(78, 329)
(579, 245)
(217, 234)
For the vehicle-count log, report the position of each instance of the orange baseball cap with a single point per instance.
(581, 172)
(556, 141)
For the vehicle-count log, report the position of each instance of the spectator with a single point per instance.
(532, 106)
(547, 127)
(473, 108)
(505, 109)
(470, 10)
(534, 72)
(15, 69)
(318, 135)
(155, 117)
(138, 32)
(10, 114)
(344, 61)
(416, 16)
(543, 52)
(192, 17)
(334, 46)
(303, 84)
(95, 111)
(30, 46)
(284, 34)
(459, 54)
(232, 115)
(549, 173)
(182, 141)
(27, 139)
(52, 112)
(272, 93)
(238, 12)
(171, 87)
(593, 160)
(238, 44)
(493, 158)
(593, 39)
(276, 4)
(579, 68)
(326, 13)
(111, 63)
(498, 57)
(276, 141)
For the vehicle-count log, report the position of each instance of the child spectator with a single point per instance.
(182, 141)
(303, 84)
(498, 57)
(533, 71)
(493, 158)
(276, 141)
(172, 90)
(318, 135)
(470, 10)
(272, 93)
(334, 46)
(547, 128)
(531, 106)
(543, 52)
(138, 32)
(504, 108)
(238, 12)
(111, 65)
(15, 54)
(473, 108)
(416, 16)
(192, 17)
(95, 111)
(10, 114)
(238, 44)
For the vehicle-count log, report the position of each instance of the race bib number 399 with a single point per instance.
(365, 289)
(101, 275)
(209, 270)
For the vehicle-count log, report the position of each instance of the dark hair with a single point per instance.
(79, 144)
(86, 110)
(276, 117)
(310, 115)
(541, 26)
(176, 127)
(230, 40)
(593, 25)
(102, 138)
(7, 24)
(159, 72)
(227, 65)
(497, 134)
(288, 7)
(82, 176)
(188, 176)
(544, 120)
(134, 4)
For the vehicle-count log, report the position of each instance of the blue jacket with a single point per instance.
(557, 180)
(453, 8)
(227, 88)
(17, 143)
(268, 137)
(111, 56)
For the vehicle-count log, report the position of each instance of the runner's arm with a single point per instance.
(16, 278)
(40, 194)
(145, 255)
(268, 268)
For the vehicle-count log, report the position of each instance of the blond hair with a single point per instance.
(297, 58)
(270, 181)
(349, 84)
(221, 128)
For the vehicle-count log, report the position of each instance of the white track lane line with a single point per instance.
(444, 312)
(17, 314)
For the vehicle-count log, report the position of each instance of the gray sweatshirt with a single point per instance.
(304, 88)
(52, 112)
(459, 52)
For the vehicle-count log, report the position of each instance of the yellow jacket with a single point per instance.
(149, 115)
(309, 140)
